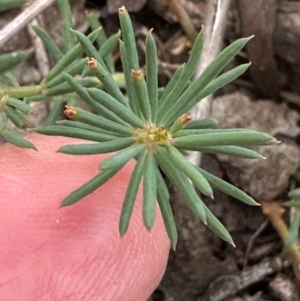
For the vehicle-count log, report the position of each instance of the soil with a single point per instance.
(266, 98)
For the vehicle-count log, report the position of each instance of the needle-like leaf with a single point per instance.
(294, 229)
(97, 148)
(130, 195)
(189, 170)
(89, 187)
(151, 75)
(242, 138)
(123, 156)
(182, 182)
(227, 188)
(149, 191)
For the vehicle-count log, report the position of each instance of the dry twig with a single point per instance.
(19, 22)
(214, 26)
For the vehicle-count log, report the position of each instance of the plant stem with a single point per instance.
(274, 212)
(21, 92)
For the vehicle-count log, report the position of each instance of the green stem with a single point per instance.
(274, 212)
(21, 92)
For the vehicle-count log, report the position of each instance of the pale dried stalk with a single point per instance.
(39, 50)
(214, 26)
(274, 212)
(22, 19)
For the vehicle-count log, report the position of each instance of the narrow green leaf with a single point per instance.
(224, 79)
(232, 150)
(292, 203)
(213, 69)
(48, 42)
(131, 194)
(89, 187)
(128, 38)
(74, 69)
(294, 194)
(151, 75)
(99, 108)
(185, 76)
(65, 9)
(179, 123)
(10, 60)
(110, 44)
(84, 126)
(217, 227)
(35, 98)
(97, 148)
(20, 105)
(294, 229)
(189, 170)
(205, 123)
(191, 132)
(56, 113)
(133, 102)
(10, 79)
(141, 93)
(14, 138)
(8, 4)
(182, 182)
(69, 57)
(64, 88)
(149, 191)
(81, 115)
(3, 117)
(112, 104)
(108, 82)
(162, 184)
(59, 130)
(95, 23)
(122, 156)
(168, 88)
(17, 119)
(227, 188)
(242, 138)
(216, 84)
(89, 48)
(167, 214)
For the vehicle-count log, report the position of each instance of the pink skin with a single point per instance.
(73, 253)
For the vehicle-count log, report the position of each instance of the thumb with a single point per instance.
(72, 253)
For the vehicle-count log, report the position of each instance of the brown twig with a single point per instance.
(274, 212)
(252, 240)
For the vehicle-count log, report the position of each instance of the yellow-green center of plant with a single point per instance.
(152, 135)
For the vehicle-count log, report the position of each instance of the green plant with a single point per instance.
(8, 4)
(153, 127)
(294, 195)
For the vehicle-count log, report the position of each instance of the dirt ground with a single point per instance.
(266, 98)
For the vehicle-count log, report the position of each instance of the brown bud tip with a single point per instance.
(122, 10)
(185, 118)
(138, 74)
(70, 111)
(93, 63)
